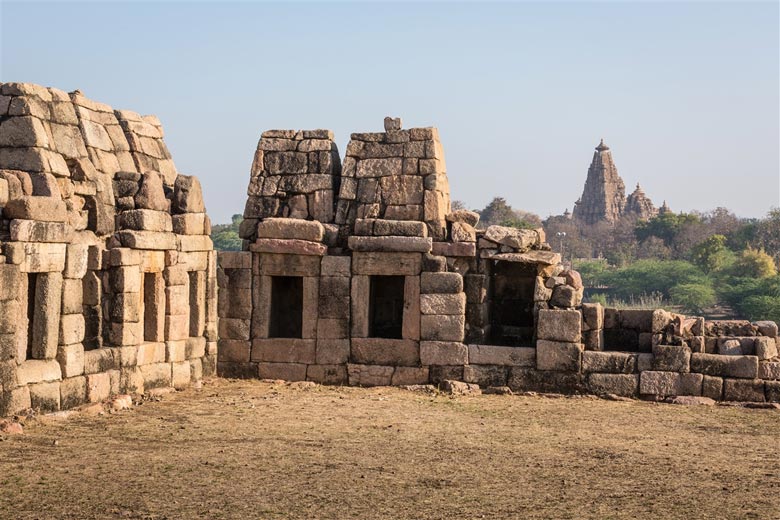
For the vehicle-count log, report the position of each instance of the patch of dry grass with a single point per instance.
(245, 449)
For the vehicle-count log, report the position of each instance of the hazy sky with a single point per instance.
(686, 95)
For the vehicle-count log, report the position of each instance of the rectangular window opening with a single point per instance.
(512, 304)
(386, 307)
(286, 307)
(32, 285)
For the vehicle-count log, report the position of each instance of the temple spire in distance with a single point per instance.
(604, 195)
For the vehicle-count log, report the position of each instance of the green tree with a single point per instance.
(768, 233)
(500, 213)
(649, 276)
(693, 297)
(711, 254)
(225, 236)
(665, 226)
(496, 212)
(754, 263)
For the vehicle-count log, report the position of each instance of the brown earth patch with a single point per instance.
(246, 449)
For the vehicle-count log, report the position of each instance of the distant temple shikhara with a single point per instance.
(604, 197)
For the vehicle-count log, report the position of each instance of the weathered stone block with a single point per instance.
(712, 387)
(399, 228)
(765, 348)
(496, 355)
(287, 265)
(486, 375)
(39, 257)
(187, 195)
(73, 392)
(328, 328)
(592, 316)
(290, 228)
(100, 360)
(625, 385)
(234, 351)
(76, 261)
(190, 224)
(152, 240)
(669, 383)
(593, 339)
(37, 371)
(71, 329)
(560, 356)
(45, 396)
(46, 320)
(332, 351)
(36, 231)
(441, 283)
(327, 374)
(336, 266)
(609, 362)
(71, 360)
(727, 366)
(370, 375)
(284, 350)
(231, 328)
(743, 390)
(729, 347)
(175, 351)
(390, 244)
(381, 351)
(45, 209)
(156, 375)
(523, 379)
(769, 370)
(98, 387)
(410, 376)
(672, 358)
(443, 353)
(442, 328)
(144, 220)
(375, 263)
(767, 328)
(444, 304)
(180, 375)
(772, 391)
(559, 325)
(410, 325)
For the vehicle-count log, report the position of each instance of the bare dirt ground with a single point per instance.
(246, 449)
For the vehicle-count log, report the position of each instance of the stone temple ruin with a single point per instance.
(107, 273)
(353, 271)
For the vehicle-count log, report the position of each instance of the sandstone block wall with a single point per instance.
(395, 289)
(295, 174)
(108, 274)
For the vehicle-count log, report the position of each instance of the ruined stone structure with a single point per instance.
(352, 272)
(391, 288)
(604, 197)
(107, 274)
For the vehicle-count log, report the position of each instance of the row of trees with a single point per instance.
(668, 236)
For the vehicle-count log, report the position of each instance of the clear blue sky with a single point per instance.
(686, 94)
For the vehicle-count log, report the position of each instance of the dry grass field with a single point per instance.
(247, 449)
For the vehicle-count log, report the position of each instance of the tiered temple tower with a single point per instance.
(604, 196)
